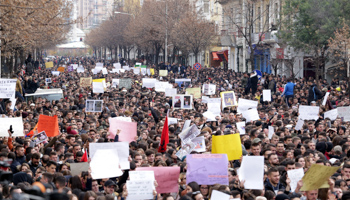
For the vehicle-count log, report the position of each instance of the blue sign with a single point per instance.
(259, 74)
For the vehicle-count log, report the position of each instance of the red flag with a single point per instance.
(165, 136)
(84, 158)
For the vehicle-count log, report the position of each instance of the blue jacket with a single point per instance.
(288, 89)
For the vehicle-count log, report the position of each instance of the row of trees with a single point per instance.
(31, 25)
(147, 29)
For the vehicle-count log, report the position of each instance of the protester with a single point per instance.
(46, 168)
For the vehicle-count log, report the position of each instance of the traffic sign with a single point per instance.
(258, 73)
(197, 66)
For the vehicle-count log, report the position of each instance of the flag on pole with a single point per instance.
(165, 136)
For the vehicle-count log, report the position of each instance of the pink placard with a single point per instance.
(166, 177)
(128, 130)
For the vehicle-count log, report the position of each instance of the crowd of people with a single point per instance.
(43, 170)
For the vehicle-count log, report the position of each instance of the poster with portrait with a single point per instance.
(209, 89)
(182, 101)
(40, 137)
(48, 80)
(185, 83)
(228, 99)
(93, 105)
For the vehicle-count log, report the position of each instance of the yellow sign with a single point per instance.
(317, 176)
(85, 82)
(49, 64)
(227, 144)
(163, 72)
(152, 71)
(196, 92)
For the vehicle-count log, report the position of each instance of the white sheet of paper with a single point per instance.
(244, 104)
(104, 71)
(122, 148)
(17, 126)
(99, 65)
(251, 115)
(77, 168)
(205, 99)
(140, 189)
(98, 87)
(137, 71)
(125, 119)
(252, 171)
(115, 82)
(325, 99)
(105, 164)
(75, 66)
(188, 134)
(215, 108)
(266, 95)
(55, 73)
(169, 92)
(199, 143)
(299, 124)
(172, 120)
(149, 82)
(186, 124)
(331, 114)
(241, 127)
(211, 117)
(295, 175)
(271, 132)
(117, 65)
(80, 69)
(308, 112)
(217, 195)
(141, 175)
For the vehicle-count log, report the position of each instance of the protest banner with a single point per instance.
(105, 164)
(169, 92)
(167, 176)
(228, 99)
(75, 66)
(152, 71)
(97, 87)
(207, 169)
(39, 138)
(266, 95)
(172, 120)
(85, 82)
(199, 143)
(125, 83)
(308, 112)
(316, 176)
(49, 125)
(183, 83)
(121, 148)
(161, 86)
(227, 144)
(61, 69)
(7, 88)
(48, 65)
(196, 92)
(70, 68)
(140, 189)
(77, 168)
(93, 105)
(117, 65)
(331, 114)
(149, 82)
(343, 112)
(189, 133)
(17, 126)
(209, 89)
(163, 72)
(252, 172)
(128, 130)
(244, 104)
(100, 65)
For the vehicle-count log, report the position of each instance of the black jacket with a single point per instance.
(314, 94)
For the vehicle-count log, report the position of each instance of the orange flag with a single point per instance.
(49, 125)
(31, 133)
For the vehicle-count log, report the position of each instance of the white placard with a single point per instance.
(325, 99)
(17, 126)
(241, 127)
(343, 112)
(141, 175)
(331, 114)
(115, 83)
(161, 86)
(125, 119)
(171, 121)
(75, 66)
(299, 124)
(99, 65)
(308, 112)
(105, 164)
(189, 133)
(122, 148)
(295, 175)
(252, 171)
(98, 87)
(80, 69)
(117, 65)
(169, 92)
(217, 195)
(244, 104)
(271, 132)
(55, 73)
(251, 115)
(93, 105)
(149, 82)
(104, 71)
(140, 189)
(266, 95)
(205, 99)
(209, 89)
(199, 143)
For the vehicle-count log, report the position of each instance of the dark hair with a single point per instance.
(272, 169)
(75, 183)
(194, 186)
